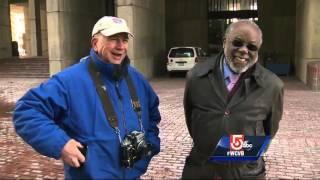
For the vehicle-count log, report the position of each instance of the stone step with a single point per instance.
(24, 63)
(32, 67)
(24, 67)
(25, 76)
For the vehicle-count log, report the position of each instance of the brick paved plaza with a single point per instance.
(293, 154)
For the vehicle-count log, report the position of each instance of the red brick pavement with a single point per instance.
(294, 153)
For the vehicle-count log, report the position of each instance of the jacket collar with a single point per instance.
(259, 74)
(212, 63)
(111, 71)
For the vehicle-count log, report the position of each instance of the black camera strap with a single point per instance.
(134, 100)
(106, 102)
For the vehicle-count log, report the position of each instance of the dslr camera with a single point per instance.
(133, 148)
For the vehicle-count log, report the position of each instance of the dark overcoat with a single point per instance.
(255, 109)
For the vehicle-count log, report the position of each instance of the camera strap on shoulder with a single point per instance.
(106, 102)
(134, 100)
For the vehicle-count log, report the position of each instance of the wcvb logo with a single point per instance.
(236, 142)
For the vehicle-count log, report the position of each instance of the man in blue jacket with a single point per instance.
(98, 130)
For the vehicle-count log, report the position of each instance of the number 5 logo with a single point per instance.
(236, 142)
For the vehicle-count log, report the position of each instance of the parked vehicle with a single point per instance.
(183, 58)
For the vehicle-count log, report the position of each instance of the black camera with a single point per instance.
(133, 147)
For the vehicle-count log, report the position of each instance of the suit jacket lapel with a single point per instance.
(218, 86)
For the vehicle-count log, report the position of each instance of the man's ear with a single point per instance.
(224, 42)
(94, 41)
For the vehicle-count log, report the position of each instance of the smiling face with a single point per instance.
(241, 46)
(112, 49)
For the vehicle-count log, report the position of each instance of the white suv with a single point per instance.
(183, 58)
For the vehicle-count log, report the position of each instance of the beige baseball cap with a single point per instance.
(109, 25)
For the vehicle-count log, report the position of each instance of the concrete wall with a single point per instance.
(146, 19)
(277, 21)
(69, 30)
(186, 23)
(307, 36)
(5, 32)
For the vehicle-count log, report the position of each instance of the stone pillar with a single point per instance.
(5, 30)
(43, 29)
(307, 35)
(146, 19)
(70, 23)
(34, 28)
(27, 45)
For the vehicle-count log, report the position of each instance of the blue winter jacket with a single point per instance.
(68, 106)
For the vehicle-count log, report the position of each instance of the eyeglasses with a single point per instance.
(238, 43)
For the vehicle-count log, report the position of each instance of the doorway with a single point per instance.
(223, 12)
(18, 29)
(28, 28)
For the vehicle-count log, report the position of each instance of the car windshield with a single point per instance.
(182, 52)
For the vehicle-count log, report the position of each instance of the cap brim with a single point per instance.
(110, 33)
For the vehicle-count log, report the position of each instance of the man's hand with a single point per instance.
(71, 154)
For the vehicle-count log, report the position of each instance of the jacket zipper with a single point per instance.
(122, 118)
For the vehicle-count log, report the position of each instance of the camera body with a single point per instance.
(133, 147)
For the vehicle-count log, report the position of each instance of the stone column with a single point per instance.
(43, 29)
(307, 36)
(34, 28)
(5, 30)
(146, 19)
(70, 24)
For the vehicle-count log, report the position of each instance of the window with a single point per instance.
(182, 52)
